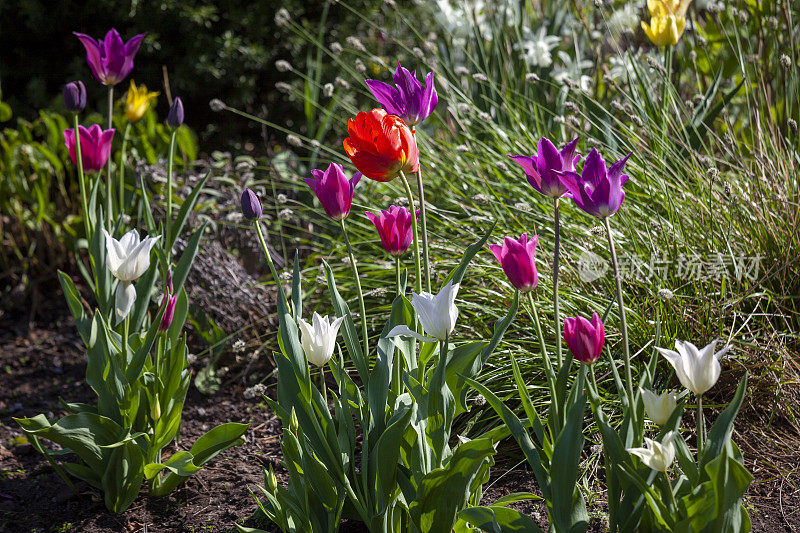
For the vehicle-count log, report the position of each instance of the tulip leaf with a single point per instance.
(123, 476)
(349, 332)
(721, 432)
(187, 258)
(76, 307)
(297, 289)
(134, 369)
(183, 212)
(179, 317)
(457, 275)
(385, 456)
(499, 519)
(179, 463)
(144, 288)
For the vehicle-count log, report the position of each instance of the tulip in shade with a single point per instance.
(168, 301)
(381, 145)
(518, 259)
(319, 337)
(394, 228)
(409, 99)
(334, 191)
(698, 370)
(175, 115)
(74, 96)
(598, 191)
(110, 59)
(127, 259)
(667, 21)
(138, 102)
(544, 170)
(585, 338)
(657, 455)
(251, 205)
(437, 314)
(95, 146)
(659, 407)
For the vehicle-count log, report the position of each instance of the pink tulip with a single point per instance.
(334, 191)
(169, 300)
(394, 228)
(95, 146)
(518, 259)
(584, 338)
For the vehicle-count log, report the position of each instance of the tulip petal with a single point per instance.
(404, 331)
(124, 297)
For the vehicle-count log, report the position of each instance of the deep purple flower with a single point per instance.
(543, 169)
(395, 228)
(110, 59)
(169, 300)
(175, 115)
(251, 205)
(598, 191)
(518, 259)
(409, 100)
(74, 96)
(334, 191)
(584, 338)
(95, 146)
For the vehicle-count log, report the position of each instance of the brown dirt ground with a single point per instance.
(42, 361)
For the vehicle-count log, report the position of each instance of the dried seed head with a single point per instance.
(523, 206)
(283, 87)
(484, 116)
(336, 48)
(597, 231)
(692, 56)
(217, 105)
(531, 77)
(286, 214)
(282, 17)
(479, 77)
(481, 199)
(341, 82)
(360, 66)
(417, 51)
(461, 70)
(355, 42)
(792, 123)
(402, 201)
(327, 90)
(462, 148)
(786, 61)
(282, 65)
(712, 173)
(294, 140)
(463, 107)
(665, 294)
(282, 198)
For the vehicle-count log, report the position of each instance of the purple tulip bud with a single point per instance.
(169, 280)
(334, 190)
(518, 259)
(168, 302)
(175, 116)
(584, 338)
(251, 205)
(75, 96)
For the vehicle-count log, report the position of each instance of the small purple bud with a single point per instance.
(75, 96)
(175, 116)
(251, 205)
(169, 281)
(169, 312)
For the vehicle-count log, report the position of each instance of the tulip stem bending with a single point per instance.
(362, 309)
(424, 213)
(556, 305)
(169, 195)
(418, 281)
(623, 322)
(122, 168)
(108, 165)
(701, 426)
(87, 224)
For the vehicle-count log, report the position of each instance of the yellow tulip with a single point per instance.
(138, 102)
(667, 21)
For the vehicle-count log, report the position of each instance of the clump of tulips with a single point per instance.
(137, 359)
(377, 444)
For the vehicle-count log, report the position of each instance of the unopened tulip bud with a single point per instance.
(294, 424)
(271, 481)
(75, 96)
(251, 205)
(155, 410)
(169, 302)
(175, 115)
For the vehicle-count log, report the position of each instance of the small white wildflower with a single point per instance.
(282, 198)
(282, 65)
(282, 17)
(355, 42)
(256, 391)
(336, 48)
(479, 400)
(531, 77)
(126, 218)
(283, 87)
(360, 66)
(713, 173)
(480, 77)
(238, 346)
(341, 82)
(217, 105)
(327, 90)
(665, 294)
(624, 19)
(286, 214)
(786, 61)
(285, 275)
(535, 49)
(294, 140)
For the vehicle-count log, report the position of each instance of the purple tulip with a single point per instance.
(74, 96)
(543, 169)
(175, 115)
(395, 229)
(598, 191)
(251, 205)
(95, 146)
(584, 338)
(169, 300)
(110, 59)
(334, 191)
(409, 100)
(518, 259)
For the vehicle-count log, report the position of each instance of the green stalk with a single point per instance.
(548, 365)
(122, 168)
(125, 335)
(424, 213)
(269, 261)
(621, 303)
(169, 195)
(362, 309)
(396, 370)
(701, 426)
(418, 281)
(108, 165)
(556, 305)
(87, 224)
(397, 274)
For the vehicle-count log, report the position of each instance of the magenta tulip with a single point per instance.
(584, 338)
(334, 191)
(110, 59)
(95, 146)
(394, 228)
(169, 300)
(544, 170)
(598, 191)
(518, 259)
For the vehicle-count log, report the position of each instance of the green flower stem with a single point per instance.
(424, 213)
(169, 195)
(418, 281)
(621, 303)
(397, 274)
(548, 365)
(322, 387)
(556, 305)
(109, 214)
(701, 426)
(269, 262)
(87, 223)
(122, 168)
(594, 381)
(125, 335)
(671, 494)
(396, 370)
(361, 308)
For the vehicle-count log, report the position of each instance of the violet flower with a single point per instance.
(74, 94)
(95, 146)
(409, 100)
(169, 300)
(585, 338)
(543, 169)
(333, 189)
(395, 229)
(598, 191)
(110, 59)
(518, 259)
(251, 205)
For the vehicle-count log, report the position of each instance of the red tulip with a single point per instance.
(381, 145)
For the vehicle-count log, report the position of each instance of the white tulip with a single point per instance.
(659, 407)
(697, 370)
(437, 314)
(124, 297)
(657, 455)
(129, 257)
(319, 338)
